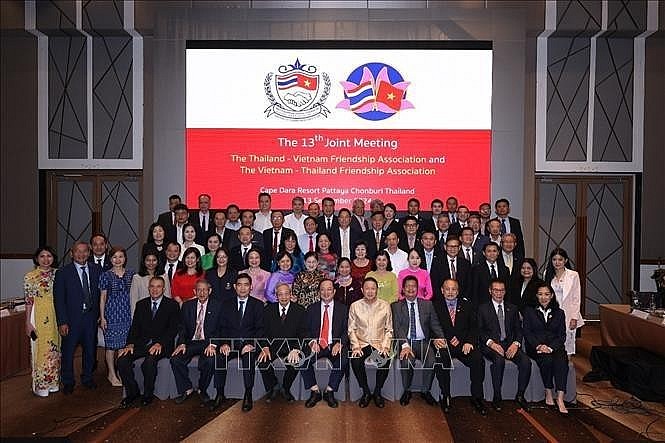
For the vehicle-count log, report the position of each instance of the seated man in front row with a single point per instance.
(370, 333)
(199, 323)
(415, 325)
(327, 320)
(500, 338)
(284, 327)
(241, 325)
(152, 334)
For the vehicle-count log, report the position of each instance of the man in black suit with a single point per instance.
(174, 231)
(509, 224)
(451, 265)
(484, 272)
(500, 339)
(99, 248)
(199, 323)
(328, 220)
(238, 254)
(172, 260)
(429, 253)
(437, 209)
(76, 299)
(284, 327)
(479, 239)
(442, 230)
(247, 218)
(152, 334)
(229, 236)
(326, 320)
(418, 333)
(241, 325)
(203, 220)
(411, 237)
(374, 237)
(167, 219)
(462, 221)
(460, 328)
(466, 248)
(358, 220)
(344, 236)
(272, 238)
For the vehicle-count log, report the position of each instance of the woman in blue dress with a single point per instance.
(115, 308)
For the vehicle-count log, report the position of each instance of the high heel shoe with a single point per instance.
(562, 409)
(115, 382)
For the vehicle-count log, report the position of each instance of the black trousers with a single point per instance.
(269, 377)
(498, 365)
(246, 363)
(473, 360)
(553, 366)
(181, 371)
(148, 367)
(358, 365)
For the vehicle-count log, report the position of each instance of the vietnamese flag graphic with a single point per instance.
(304, 81)
(389, 95)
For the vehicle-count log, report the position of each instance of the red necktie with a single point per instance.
(311, 243)
(323, 337)
(451, 311)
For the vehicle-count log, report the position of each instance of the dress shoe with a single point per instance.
(378, 400)
(68, 389)
(183, 397)
(313, 399)
(127, 402)
(329, 397)
(247, 402)
(496, 405)
(205, 398)
(446, 404)
(272, 393)
(479, 405)
(146, 401)
(521, 401)
(427, 396)
(90, 384)
(405, 398)
(364, 400)
(288, 396)
(217, 402)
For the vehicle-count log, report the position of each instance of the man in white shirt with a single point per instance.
(451, 208)
(307, 240)
(203, 220)
(296, 219)
(398, 258)
(229, 236)
(358, 221)
(494, 228)
(442, 226)
(344, 236)
(262, 217)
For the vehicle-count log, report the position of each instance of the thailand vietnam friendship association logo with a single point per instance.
(373, 91)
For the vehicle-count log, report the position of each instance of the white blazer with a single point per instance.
(572, 297)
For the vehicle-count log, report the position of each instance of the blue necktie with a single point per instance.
(412, 321)
(154, 309)
(241, 309)
(503, 226)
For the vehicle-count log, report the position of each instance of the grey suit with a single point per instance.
(422, 349)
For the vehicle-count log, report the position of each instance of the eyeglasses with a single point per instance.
(498, 290)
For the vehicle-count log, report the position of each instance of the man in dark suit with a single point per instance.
(344, 235)
(152, 334)
(242, 325)
(462, 216)
(199, 323)
(272, 238)
(229, 236)
(284, 327)
(511, 259)
(509, 224)
(484, 272)
(429, 253)
(442, 230)
(247, 218)
(326, 321)
(167, 219)
(76, 299)
(238, 254)
(479, 239)
(500, 339)
(437, 209)
(411, 237)
(418, 333)
(172, 260)
(374, 237)
(174, 231)
(99, 248)
(460, 328)
(328, 220)
(451, 265)
(466, 248)
(203, 220)
(358, 220)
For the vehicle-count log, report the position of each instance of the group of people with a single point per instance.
(313, 283)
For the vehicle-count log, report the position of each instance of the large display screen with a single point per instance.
(389, 120)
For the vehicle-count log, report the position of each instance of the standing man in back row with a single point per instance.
(262, 217)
